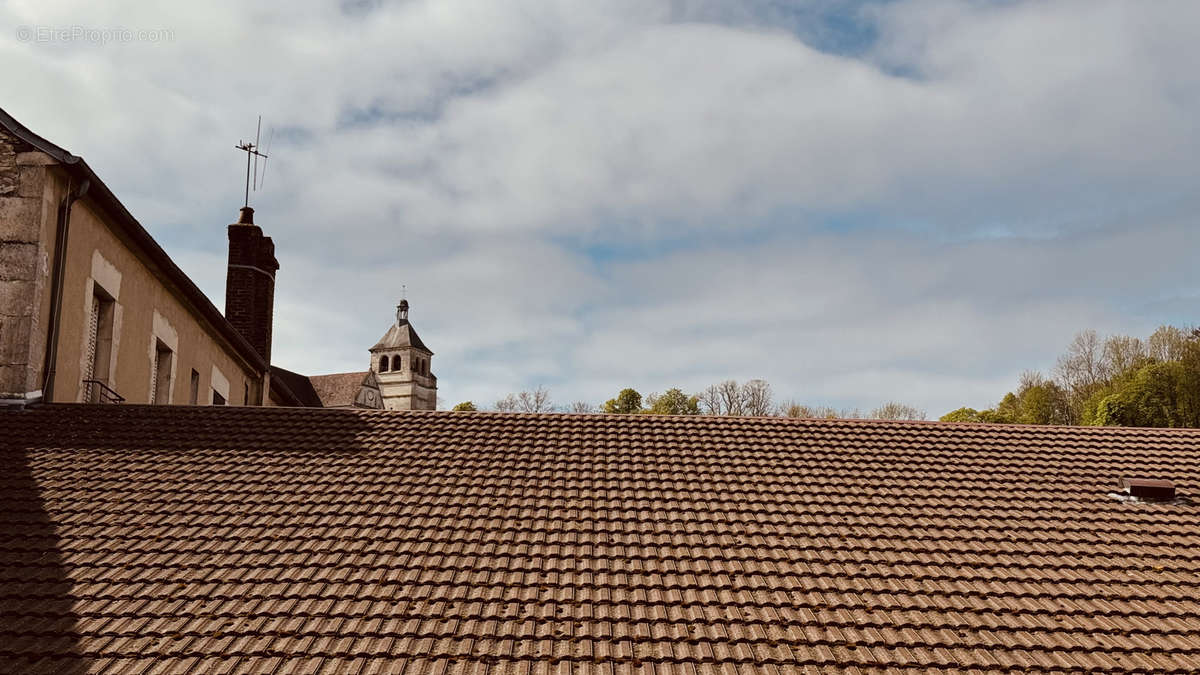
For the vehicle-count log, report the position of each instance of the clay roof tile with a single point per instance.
(139, 538)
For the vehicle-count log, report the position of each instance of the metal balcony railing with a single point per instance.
(96, 391)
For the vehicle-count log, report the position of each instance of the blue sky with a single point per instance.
(856, 201)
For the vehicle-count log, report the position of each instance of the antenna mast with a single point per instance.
(252, 149)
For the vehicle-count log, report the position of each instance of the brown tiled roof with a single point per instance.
(180, 539)
(337, 390)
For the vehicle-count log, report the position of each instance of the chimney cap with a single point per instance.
(1149, 489)
(246, 216)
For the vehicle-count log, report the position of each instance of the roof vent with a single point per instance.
(1149, 490)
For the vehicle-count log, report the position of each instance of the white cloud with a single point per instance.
(919, 222)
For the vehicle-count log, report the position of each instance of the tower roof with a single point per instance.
(401, 334)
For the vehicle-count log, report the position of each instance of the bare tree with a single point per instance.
(897, 411)
(710, 401)
(731, 398)
(790, 408)
(535, 401)
(1082, 367)
(581, 407)
(1029, 380)
(825, 412)
(1122, 353)
(723, 398)
(1167, 343)
(756, 398)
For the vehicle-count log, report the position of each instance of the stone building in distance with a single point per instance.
(398, 377)
(402, 363)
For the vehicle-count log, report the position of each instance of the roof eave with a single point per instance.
(100, 193)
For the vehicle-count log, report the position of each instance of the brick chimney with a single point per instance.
(250, 282)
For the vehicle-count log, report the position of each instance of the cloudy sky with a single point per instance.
(857, 201)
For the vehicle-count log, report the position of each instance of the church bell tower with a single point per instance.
(401, 363)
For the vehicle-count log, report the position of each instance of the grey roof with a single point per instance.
(401, 334)
(297, 386)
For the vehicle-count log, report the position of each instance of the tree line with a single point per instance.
(753, 398)
(1118, 380)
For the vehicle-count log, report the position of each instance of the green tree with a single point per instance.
(626, 403)
(963, 414)
(1151, 398)
(1118, 380)
(1037, 405)
(1042, 401)
(673, 402)
(1189, 382)
(466, 406)
(988, 416)
(1008, 411)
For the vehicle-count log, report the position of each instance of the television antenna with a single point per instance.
(252, 149)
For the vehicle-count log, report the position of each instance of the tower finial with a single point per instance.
(402, 312)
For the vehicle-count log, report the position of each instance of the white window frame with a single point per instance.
(163, 332)
(107, 277)
(219, 384)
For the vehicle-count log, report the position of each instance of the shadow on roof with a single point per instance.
(37, 621)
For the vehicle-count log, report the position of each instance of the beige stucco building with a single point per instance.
(91, 308)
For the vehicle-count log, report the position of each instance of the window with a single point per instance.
(383, 364)
(246, 393)
(194, 392)
(99, 344)
(221, 392)
(160, 376)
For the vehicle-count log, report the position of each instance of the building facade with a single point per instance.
(401, 363)
(93, 310)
